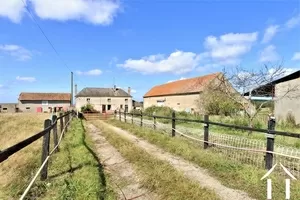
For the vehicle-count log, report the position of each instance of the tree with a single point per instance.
(214, 102)
(238, 83)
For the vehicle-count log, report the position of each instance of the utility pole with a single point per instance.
(75, 93)
(71, 88)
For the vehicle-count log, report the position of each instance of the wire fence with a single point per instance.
(50, 126)
(240, 149)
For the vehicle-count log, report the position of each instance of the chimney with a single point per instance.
(129, 90)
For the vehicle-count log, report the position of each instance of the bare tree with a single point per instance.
(238, 83)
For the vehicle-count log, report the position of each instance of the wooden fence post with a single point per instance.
(61, 123)
(270, 143)
(66, 122)
(154, 122)
(45, 150)
(132, 118)
(141, 118)
(125, 116)
(55, 138)
(206, 131)
(173, 124)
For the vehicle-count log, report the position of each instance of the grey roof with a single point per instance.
(102, 92)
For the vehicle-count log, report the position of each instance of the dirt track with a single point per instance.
(124, 178)
(190, 170)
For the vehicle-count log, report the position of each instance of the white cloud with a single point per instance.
(182, 78)
(178, 62)
(92, 11)
(12, 9)
(17, 51)
(269, 54)
(230, 46)
(93, 72)
(296, 56)
(26, 79)
(133, 91)
(113, 61)
(270, 32)
(293, 22)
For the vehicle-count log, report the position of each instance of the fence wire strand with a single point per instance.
(238, 148)
(45, 161)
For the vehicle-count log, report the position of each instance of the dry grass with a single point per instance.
(15, 128)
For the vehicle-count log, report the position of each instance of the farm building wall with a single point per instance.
(105, 104)
(185, 102)
(42, 106)
(8, 107)
(287, 102)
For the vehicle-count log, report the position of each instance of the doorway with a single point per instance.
(103, 108)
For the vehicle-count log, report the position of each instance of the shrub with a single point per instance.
(88, 108)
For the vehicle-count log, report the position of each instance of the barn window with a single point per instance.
(178, 103)
(109, 100)
(121, 106)
(4, 109)
(27, 108)
(44, 103)
(108, 107)
(126, 100)
(88, 100)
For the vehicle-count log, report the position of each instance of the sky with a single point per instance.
(139, 43)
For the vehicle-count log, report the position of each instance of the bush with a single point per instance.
(88, 108)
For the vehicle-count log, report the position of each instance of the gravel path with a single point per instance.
(190, 170)
(124, 178)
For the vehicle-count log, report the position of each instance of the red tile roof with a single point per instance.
(186, 86)
(45, 96)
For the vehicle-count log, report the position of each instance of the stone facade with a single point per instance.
(8, 107)
(105, 104)
(185, 102)
(33, 106)
(287, 102)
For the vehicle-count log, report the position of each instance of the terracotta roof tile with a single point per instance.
(186, 86)
(45, 96)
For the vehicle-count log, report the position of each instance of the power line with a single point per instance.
(44, 34)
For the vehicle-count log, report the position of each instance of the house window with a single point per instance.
(88, 100)
(121, 106)
(126, 100)
(27, 108)
(4, 109)
(108, 100)
(44, 103)
(126, 108)
(108, 107)
(178, 103)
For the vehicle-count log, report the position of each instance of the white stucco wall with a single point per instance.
(186, 102)
(97, 102)
(287, 100)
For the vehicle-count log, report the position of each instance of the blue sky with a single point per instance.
(139, 43)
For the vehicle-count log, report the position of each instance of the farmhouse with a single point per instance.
(182, 95)
(284, 92)
(105, 99)
(43, 102)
